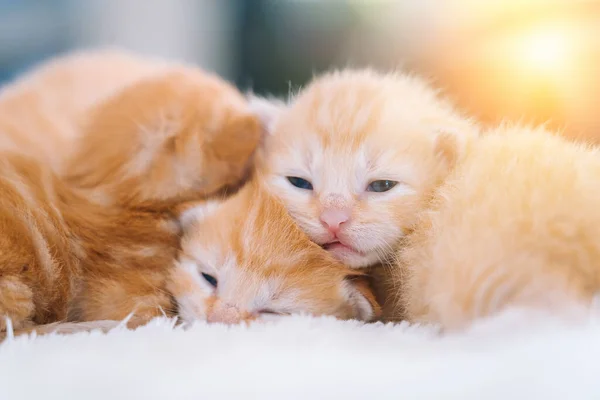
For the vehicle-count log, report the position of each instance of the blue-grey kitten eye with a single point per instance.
(210, 279)
(381, 186)
(300, 183)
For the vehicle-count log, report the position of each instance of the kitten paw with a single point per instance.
(16, 303)
(181, 135)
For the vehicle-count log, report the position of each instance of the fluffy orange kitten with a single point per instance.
(351, 157)
(245, 259)
(514, 224)
(101, 243)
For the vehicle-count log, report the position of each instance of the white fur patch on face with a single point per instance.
(266, 294)
(192, 307)
(192, 303)
(290, 302)
(210, 258)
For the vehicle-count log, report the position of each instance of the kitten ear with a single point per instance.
(266, 109)
(359, 294)
(449, 145)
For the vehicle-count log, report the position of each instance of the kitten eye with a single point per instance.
(300, 183)
(210, 279)
(268, 312)
(381, 186)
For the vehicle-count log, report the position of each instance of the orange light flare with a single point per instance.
(534, 69)
(548, 55)
(544, 52)
(534, 62)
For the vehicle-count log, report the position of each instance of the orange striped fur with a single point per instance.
(99, 241)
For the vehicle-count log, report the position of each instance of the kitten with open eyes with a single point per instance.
(516, 223)
(99, 242)
(244, 259)
(352, 159)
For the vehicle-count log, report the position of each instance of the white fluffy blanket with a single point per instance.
(516, 356)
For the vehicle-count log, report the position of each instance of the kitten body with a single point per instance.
(516, 223)
(99, 242)
(358, 147)
(47, 105)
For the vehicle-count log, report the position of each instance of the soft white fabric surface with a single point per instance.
(515, 356)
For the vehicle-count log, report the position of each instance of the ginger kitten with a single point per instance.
(515, 224)
(244, 259)
(100, 242)
(352, 158)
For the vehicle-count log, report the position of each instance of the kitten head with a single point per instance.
(355, 156)
(245, 259)
(166, 138)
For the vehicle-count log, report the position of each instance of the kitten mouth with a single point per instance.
(336, 245)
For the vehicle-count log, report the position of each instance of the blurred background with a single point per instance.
(528, 60)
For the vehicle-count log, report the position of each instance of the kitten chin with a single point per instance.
(516, 224)
(355, 156)
(243, 259)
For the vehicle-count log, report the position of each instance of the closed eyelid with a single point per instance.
(283, 303)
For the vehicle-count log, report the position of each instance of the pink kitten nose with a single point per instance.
(333, 218)
(225, 313)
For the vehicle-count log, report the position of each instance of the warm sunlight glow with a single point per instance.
(544, 51)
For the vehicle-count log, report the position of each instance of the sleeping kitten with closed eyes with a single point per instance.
(244, 259)
(351, 157)
(100, 241)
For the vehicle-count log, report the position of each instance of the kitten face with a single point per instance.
(245, 259)
(355, 156)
